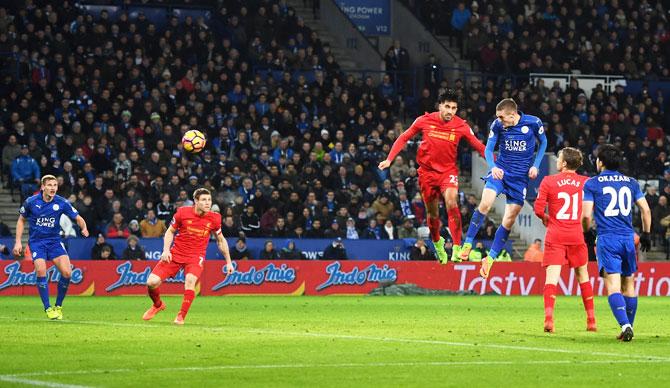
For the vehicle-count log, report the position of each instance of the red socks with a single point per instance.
(455, 227)
(189, 295)
(434, 226)
(587, 298)
(549, 300)
(155, 295)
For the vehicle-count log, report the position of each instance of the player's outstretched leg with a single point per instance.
(587, 296)
(43, 287)
(587, 299)
(475, 224)
(189, 294)
(549, 302)
(618, 306)
(153, 288)
(499, 242)
(63, 265)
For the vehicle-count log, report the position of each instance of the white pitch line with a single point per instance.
(359, 338)
(37, 383)
(332, 365)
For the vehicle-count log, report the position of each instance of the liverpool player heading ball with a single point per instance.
(193, 226)
(438, 172)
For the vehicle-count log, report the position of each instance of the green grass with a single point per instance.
(330, 341)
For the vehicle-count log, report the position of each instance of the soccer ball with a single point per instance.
(193, 141)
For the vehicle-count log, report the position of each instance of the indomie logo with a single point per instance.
(270, 273)
(128, 277)
(16, 277)
(357, 276)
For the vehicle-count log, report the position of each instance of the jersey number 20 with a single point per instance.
(623, 198)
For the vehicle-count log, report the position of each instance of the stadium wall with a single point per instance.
(106, 278)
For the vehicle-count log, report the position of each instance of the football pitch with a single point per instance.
(329, 341)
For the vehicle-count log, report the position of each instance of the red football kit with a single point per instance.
(190, 243)
(438, 151)
(564, 242)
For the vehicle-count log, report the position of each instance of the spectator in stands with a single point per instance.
(661, 211)
(268, 252)
(117, 228)
(134, 228)
(4, 230)
(352, 232)
(459, 19)
(534, 252)
(504, 256)
(4, 252)
(478, 253)
(407, 229)
(420, 251)
(107, 253)
(383, 206)
(373, 231)
(240, 250)
(165, 208)
(250, 223)
(10, 151)
(389, 231)
(133, 251)
(100, 243)
(25, 173)
(335, 251)
(291, 252)
(151, 226)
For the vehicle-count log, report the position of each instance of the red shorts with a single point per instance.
(559, 254)
(433, 183)
(167, 270)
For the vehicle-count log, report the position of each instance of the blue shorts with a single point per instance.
(514, 187)
(616, 254)
(47, 249)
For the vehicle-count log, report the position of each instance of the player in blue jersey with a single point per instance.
(516, 134)
(609, 196)
(43, 212)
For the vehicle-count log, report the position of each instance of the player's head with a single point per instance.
(203, 200)
(49, 185)
(447, 104)
(608, 158)
(506, 112)
(569, 158)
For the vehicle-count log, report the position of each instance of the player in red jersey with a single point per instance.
(438, 172)
(564, 242)
(193, 226)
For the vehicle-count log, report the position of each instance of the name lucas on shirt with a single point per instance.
(570, 182)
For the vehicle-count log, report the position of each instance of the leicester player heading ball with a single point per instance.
(43, 212)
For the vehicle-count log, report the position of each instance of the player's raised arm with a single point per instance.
(399, 143)
(541, 203)
(542, 136)
(475, 143)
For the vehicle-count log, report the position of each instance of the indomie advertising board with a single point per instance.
(318, 277)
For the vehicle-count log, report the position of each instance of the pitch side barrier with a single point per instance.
(312, 249)
(318, 278)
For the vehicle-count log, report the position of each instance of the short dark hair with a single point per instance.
(573, 157)
(447, 95)
(609, 156)
(507, 105)
(201, 191)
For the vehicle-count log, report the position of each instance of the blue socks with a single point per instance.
(475, 224)
(63, 284)
(631, 307)
(43, 289)
(618, 306)
(499, 242)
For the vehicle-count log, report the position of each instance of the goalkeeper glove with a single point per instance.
(645, 241)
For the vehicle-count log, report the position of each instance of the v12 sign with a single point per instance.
(371, 17)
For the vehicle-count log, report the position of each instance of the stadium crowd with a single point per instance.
(293, 141)
(626, 37)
